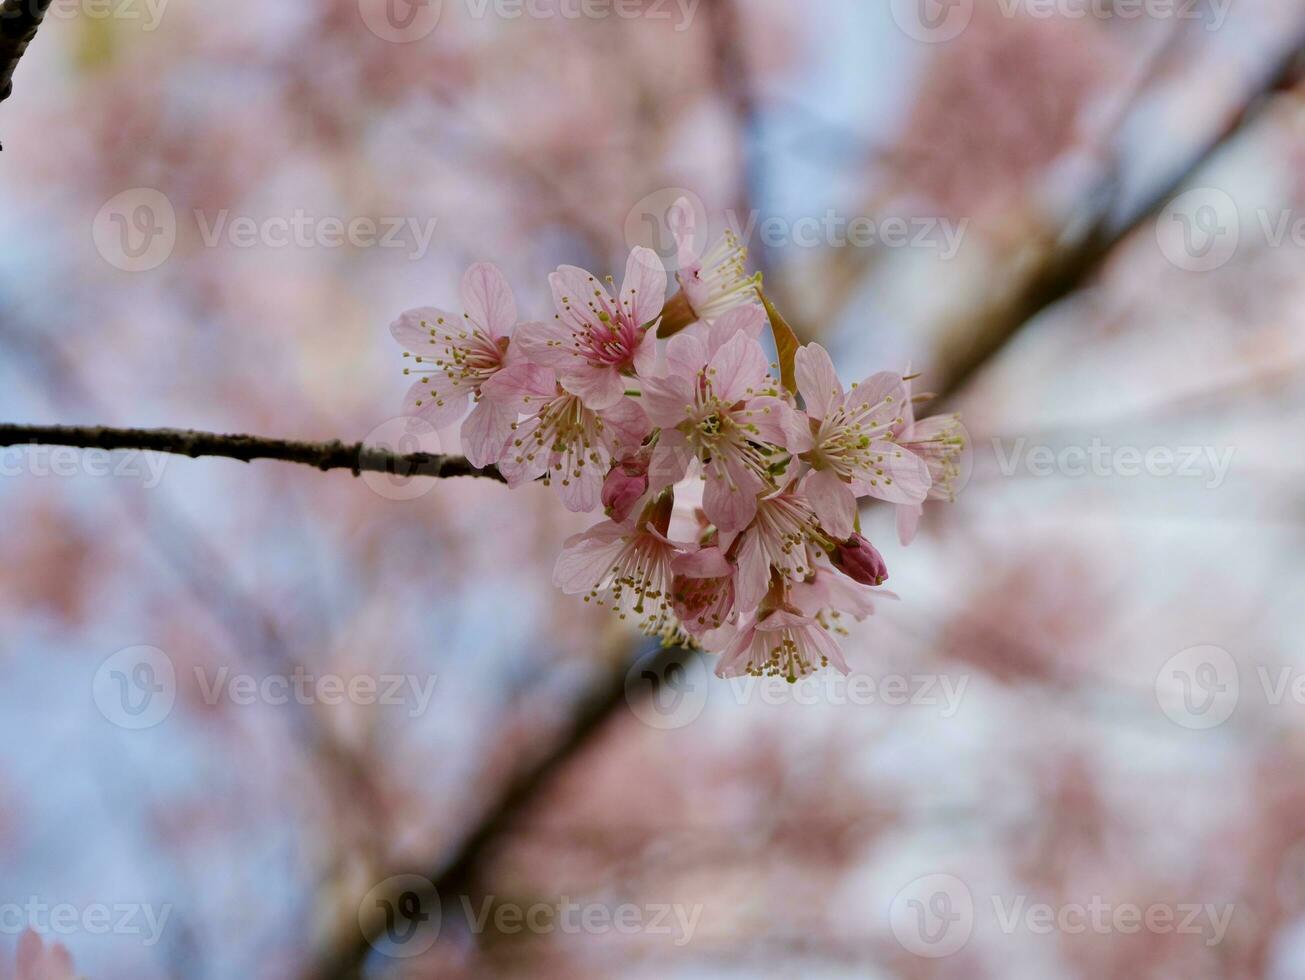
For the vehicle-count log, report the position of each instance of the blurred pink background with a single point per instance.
(1088, 702)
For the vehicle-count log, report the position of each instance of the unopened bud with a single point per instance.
(624, 487)
(858, 559)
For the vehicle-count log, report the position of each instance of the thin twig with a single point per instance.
(356, 457)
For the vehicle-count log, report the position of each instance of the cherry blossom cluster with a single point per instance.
(729, 484)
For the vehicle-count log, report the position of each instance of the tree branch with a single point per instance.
(19, 20)
(335, 455)
(456, 877)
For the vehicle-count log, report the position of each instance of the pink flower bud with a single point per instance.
(624, 487)
(858, 559)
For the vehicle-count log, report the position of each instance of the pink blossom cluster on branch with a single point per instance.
(730, 494)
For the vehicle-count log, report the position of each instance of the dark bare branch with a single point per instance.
(356, 457)
(19, 20)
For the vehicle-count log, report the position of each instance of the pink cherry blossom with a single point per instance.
(455, 355)
(724, 410)
(781, 643)
(827, 595)
(625, 567)
(596, 342)
(562, 439)
(703, 591)
(848, 441)
(36, 961)
(776, 543)
(718, 281)
(700, 437)
(940, 441)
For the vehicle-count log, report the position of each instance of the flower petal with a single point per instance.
(703, 563)
(885, 392)
(818, 381)
(643, 293)
(550, 343)
(731, 508)
(833, 501)
(414, 330)
(440, 407)
(664, 399)
(574, 289)
(599, 387)
(645, 355)
(670, 461)
(908, 522)
(750, 320)
(486, 432)
(899, 476)
(487, 298)
(627, 423)
(586, 558)
(738, 369)
(517, 466)
(683, 222)
(582, 493)
(686, 354)
(517, 385)
(752, 578)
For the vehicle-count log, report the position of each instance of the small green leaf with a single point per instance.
(786, 344)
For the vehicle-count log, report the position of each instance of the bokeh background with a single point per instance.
(1082, 222)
